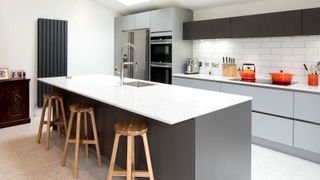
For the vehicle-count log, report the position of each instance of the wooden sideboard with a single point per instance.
(14, 102)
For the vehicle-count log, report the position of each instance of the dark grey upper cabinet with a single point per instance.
(208, 29)
(311, 19)
(267, 25)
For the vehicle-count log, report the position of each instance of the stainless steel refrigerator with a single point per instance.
(140, 39)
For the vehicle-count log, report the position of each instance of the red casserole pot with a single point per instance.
(281, 77)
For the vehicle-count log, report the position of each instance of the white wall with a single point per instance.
(91, 35)
(257, 7)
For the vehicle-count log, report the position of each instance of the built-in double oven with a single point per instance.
(161, 59)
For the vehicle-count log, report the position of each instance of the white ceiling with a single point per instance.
(155, 4)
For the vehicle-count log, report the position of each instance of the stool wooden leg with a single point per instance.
(77, 144)
(148, 158)
(48, 124)
(63, 163)
(133, 156)
(129, 158)
(44, 105)
(95, 134)
(56, 102)
(63, 115)
(113, 156)
(86, 146)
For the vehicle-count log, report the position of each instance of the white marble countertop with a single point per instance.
(303, 87)
(166, 103)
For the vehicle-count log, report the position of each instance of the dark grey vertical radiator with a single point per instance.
(52, 52)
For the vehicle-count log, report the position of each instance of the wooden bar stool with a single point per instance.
(52, 99)
(80, 109)
(131, 129)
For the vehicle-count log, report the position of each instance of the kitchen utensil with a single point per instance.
(281, 77)
(313, 79)
(305, 67)
(248, 71)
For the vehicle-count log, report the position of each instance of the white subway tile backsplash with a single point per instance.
(281, 51)
(254, 57)
(306, 51)
(281, 39)
(270, 57)
(312, 58)
(261, 51)
(311, 44)
(251, 44)
(264, 39)
(263, 63)
(268, 54)
(298, 65)
(305, 38)
(276, 64)
(296, 58)
(242, 51)
(272, 44)
(293, 44)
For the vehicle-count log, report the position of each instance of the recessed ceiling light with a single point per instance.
(132, 2)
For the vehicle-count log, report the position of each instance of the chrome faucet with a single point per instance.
(125, 61)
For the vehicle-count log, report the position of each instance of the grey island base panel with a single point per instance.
(216, 146)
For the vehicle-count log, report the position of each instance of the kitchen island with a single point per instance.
(193, 134)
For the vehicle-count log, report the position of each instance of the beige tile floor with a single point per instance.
(21, 158)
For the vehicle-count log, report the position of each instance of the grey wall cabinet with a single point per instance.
(142, 20)
(128, 22)
(311, 19)
(194, 83)
(272, 101)
(289, 23)
(135, 21)
(208, 29)
(162, 20)
(306, 136)
(307, 107)
(267, 25)
(272, 128)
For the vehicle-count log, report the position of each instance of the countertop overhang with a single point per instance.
(166, 103)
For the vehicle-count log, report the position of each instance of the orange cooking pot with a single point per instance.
(248, 72)
(281, 77)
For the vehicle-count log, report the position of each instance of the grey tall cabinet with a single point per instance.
(168, 21)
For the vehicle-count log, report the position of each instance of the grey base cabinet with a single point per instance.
(307, 136)
(287, 121)
(267, 100)
(306, 107)
(272, 128)
(194, 83)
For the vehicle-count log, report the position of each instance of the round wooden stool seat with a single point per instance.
(131, 128)
(53, 95)
(82, 107)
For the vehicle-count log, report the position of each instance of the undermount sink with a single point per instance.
(138, 84)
